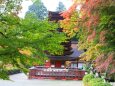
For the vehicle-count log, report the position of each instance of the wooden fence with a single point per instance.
(56, 73)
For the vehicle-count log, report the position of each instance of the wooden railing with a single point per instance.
(56, 73)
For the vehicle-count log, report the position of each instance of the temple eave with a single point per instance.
(65, 58)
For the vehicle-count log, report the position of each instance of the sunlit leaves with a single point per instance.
(23, 41)
(94, 25)
(98, 28)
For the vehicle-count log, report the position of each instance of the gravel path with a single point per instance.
(22, 80)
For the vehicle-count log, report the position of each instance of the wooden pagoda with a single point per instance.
(65, 66)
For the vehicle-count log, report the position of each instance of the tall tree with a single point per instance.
(38, 9)
(95, 29)
(24, 41)
(60, 7)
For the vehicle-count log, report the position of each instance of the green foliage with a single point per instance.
(8, 6)
(100, 46)
(95, 81)
(87, 78)
(107, 23)
(23, 41)
(3, 74)
(90, 80)
(100, 84)
(87, 67)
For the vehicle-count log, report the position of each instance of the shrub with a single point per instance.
(100, 84)
(95, 80)
(87, 78)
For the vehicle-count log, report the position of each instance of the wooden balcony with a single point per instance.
(56, 73)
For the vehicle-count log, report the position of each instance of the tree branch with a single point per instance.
(3, 35)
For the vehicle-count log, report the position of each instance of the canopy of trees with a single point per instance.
(23, 42)
(94, 25)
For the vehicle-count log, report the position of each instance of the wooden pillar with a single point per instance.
(77, 63)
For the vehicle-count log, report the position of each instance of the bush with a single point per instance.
(100, 84)
(96, 82)
(87, 78)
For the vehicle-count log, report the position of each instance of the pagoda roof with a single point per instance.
(54, 16)
(65, 58)
(75, 55)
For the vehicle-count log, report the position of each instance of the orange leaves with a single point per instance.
(91, 36)
(67, 14)
(102, 36)
(87, 0)
(91, 5)
(75, 29)
(89, 15)
(103, 62)
(65, 21)
(90, 18)
(92, 21)
(69, 24)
